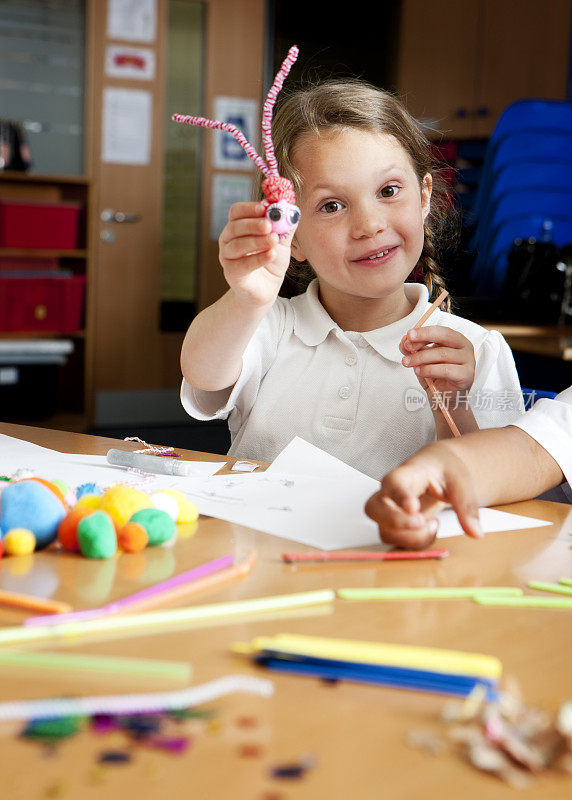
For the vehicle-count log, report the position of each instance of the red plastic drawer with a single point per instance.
(39, 226)
(42, 304)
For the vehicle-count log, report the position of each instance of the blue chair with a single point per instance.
(527, 176)
(491, 271)
(552, 147)
(530, 115)
(530, 396)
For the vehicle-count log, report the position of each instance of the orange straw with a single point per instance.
(30, 603)
(435, 393)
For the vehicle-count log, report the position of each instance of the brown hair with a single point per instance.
(353, 103)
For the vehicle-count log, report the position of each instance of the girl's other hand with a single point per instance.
(442, 354)
(253, 258)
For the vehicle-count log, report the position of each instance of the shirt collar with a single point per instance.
(312, 323)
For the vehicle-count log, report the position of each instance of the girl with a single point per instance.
(338, 364)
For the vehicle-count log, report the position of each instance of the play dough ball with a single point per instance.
(96, 535)
(33, 504)
(132, 538)
(166, 503)
(67, 529)
(158, 524)
(188, 512)
(122, 501)
(19, 542)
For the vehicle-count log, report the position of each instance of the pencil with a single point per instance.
(435, 393)
(28, 602)
(394, 555)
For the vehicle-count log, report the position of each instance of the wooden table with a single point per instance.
(553, 341)
(356, 733)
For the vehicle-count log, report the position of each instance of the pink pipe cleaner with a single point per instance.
(279, 192)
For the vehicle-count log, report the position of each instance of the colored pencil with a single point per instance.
(435, 393)
(394, 555)
(152, 595)
(28, 602)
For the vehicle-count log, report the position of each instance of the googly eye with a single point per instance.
(274, 213)
(294, 215)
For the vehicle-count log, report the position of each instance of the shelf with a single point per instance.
(13, 252)
(41, 335)
(27, 177)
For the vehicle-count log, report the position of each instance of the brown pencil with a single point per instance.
(435, 393)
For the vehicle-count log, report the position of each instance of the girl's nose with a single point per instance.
(367, 221)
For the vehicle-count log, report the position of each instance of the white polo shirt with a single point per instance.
(347, 392)
(549, 422)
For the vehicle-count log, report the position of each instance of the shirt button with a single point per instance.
(344, 392)
(362, 342)
(351, 360)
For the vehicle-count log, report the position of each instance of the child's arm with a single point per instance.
(448, 358)
(489, 467)
(254, 261)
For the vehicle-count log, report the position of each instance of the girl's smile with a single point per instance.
(362, 223)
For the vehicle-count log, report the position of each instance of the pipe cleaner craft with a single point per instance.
(280, 199)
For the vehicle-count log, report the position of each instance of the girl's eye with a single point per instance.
(389, 191)
(331, 206)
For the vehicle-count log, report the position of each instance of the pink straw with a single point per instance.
(123, 605)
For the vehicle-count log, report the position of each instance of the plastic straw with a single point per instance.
(524, 602)
(180, 616)
(28, 602)
(558, 588)
(444, 592)
(103, 664)
(153, 594)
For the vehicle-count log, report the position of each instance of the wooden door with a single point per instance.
(524, 53)
(124, 287)
(437, 62)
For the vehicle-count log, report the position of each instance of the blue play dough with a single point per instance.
(31, 505)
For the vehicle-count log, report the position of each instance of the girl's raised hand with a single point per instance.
(442, 354)
(253, 258)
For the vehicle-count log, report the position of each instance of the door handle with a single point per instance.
(109, 215)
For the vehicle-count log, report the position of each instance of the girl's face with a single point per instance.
(362, 217)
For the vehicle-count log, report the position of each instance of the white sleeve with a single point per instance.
(236, 402)
(496, 396)
(549, 422)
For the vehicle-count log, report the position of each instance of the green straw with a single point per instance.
(525, 602)
(176, 670)
(550, 587)
(566, 581)
(147, 623)
(428, 594)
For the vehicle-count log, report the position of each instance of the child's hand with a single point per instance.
(410, 496)
(449, 361)
(254, 259)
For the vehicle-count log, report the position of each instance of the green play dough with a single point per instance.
(158, 524)
(96, 535)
